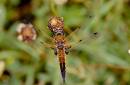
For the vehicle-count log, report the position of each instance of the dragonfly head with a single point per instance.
(55, 23)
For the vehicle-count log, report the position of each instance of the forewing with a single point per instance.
(44, 39)
(78, 37)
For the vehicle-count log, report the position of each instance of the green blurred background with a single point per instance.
(103, 60)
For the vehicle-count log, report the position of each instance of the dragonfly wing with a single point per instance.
(42, 43)
(85, 39)
(42, 37)
(43, 33)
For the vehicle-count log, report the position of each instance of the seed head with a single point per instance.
(26, 32)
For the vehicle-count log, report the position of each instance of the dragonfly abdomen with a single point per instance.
(61, 56)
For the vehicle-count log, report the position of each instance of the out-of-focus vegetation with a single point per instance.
(101, 61)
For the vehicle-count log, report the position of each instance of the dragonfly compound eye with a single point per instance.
(55, 23)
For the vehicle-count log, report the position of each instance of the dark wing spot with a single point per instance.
(95, 33)
(80, 40)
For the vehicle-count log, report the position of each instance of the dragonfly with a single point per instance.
(56, 26)
(60, 44)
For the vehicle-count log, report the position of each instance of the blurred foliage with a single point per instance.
(100, 61)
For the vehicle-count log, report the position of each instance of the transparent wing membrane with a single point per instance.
(85, 40)
(41, 43)
(43, 34)
(72, 34)
(47, 45)
(44, 39)
(75, 38)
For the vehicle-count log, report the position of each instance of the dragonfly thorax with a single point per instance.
(60, 45)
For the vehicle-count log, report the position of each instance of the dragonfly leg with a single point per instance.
(67, 49)
(55, 51)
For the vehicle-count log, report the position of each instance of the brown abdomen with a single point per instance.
(61, 57)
